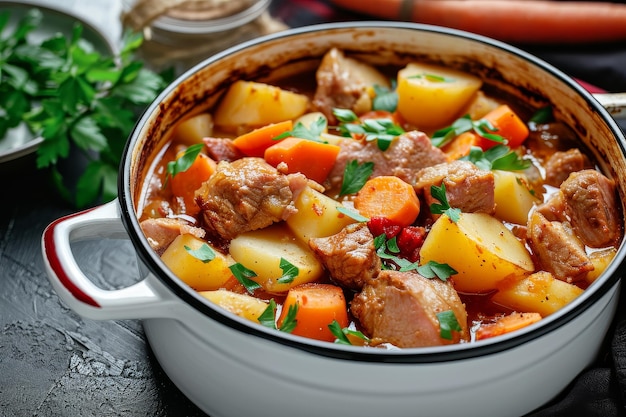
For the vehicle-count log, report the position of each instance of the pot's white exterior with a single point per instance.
(228, 375)
(231, 367)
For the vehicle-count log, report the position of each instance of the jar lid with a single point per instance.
(192, 17)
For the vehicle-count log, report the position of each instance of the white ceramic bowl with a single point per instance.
(230, 367)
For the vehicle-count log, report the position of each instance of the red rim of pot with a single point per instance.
(413, 355)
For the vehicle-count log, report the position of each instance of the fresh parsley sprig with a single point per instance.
(268, 317)
(386, 99)
(499, 157)
(341, 334)
(244, 276)
(447, 324)
(443, 207)
(355, 175)
(382, 130)
(312, 132)
(433, 269)
(70, 94)
(290, 271)
(204, 253)
(482, 127)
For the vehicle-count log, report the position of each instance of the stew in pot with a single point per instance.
(384, 207)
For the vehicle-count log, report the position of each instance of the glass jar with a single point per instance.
(180, 34)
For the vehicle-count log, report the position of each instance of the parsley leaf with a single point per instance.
(543, 115)
(447, 323)
(386, 99)
(439, 193)
(290, 271)
(352, 214)
(341, 334)
(243, 275)
(499, 157)
(184, 162)
(382, 130)
(434, 269)
(204, 253)
(289, 322)
(482, 127)
(268, 317)
(355, 175)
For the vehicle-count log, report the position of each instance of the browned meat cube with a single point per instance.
(561, 164)
(161, 232)
(557, 250)
(468, 187)
(401, 308)
(349, 256)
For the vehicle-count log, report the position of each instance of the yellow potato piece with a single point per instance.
(431, 96)
(243, 305)
(192, 130)
(254, 104)
(600, 260)
(317, 216)
(199, 275)
(539, 292)
(261, 251)
(513, 196)
(479, 248)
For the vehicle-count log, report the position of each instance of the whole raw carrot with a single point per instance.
(522, 21)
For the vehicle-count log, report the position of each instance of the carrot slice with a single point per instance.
(389, 197)
(506, 324)
(255, 142)
(313, 159)
(461, 145)
(508, 125)
(318, 305)
(185, 183)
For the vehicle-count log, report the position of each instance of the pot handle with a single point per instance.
(145, 299)
(615, 103)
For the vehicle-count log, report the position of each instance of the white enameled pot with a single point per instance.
(230, 367)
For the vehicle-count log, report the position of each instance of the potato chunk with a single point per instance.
(192, 130)
(199, 275)
(243, 305)
(539, 292)
(431, 96)
(513, 196)
(479, 248)
(262, 250)
(317, 216)
(254, 104)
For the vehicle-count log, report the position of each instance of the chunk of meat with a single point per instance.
(343, 82)
(557, 250)
(591, 204)
(246, 194)
(553, 209)
(401, 308)
(160, 232)
(222, 149)
(409, 153)
(468, 187)
(349, 256)
(561, 164)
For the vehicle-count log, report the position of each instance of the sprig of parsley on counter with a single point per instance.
(73, 96)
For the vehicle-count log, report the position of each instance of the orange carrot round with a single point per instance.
(255, 142)
(318, 306)
(389, 197)
(508, 125)
(184, 184)
(313, 159)
(507, 324)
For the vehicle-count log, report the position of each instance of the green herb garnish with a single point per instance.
(341, 334)
(289, 322)
(447, 323)
(352, 214)
(204, 253)
(243, 275)
(290, 271)
(387, 250)
(439, 193)
(434, 269)
(382, 130)
(436, 78)
(313, 132)
(185, 161)
(499, 157)
(464, 124)
(386, 99)
(70, 94)
(543, 115)
(355, 175)
(268, 317)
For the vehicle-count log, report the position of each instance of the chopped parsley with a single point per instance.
(244, 276)
(434, 269)
(448, 323)
(386, 99)
(312, 132)
(464, 124)
(499, 157)
(439, 193)
(383, 131)
(543, 115)
(355, 175)
(290, 271)
(185, 161)
(352, 214)
(204, 253)
(341, 334)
